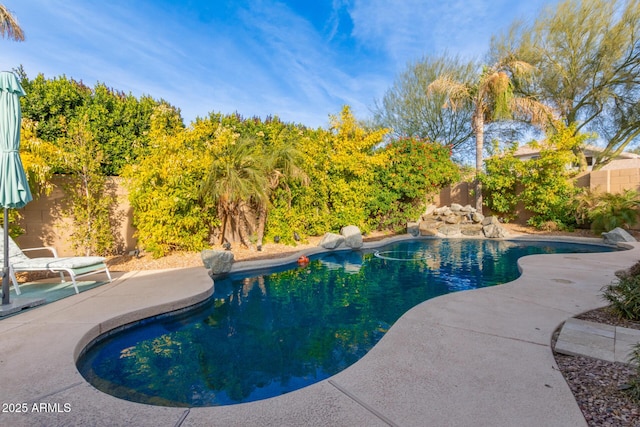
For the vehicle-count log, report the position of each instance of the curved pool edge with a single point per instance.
(124, 320)
(457, 348)
(250, 265)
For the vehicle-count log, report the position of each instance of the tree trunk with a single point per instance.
(242, 227)
(262, 221)
(223, 212)
(478, 127)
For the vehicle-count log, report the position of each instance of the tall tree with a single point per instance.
(587, 57)
(490, 99)
(281, 163)
(235, 179)
(409, 113)
(90, 201)
(9, 26)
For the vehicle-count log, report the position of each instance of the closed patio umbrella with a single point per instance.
(14, 189)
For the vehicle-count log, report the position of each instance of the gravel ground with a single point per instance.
(596, 384)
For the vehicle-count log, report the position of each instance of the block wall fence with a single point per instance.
(46, 225)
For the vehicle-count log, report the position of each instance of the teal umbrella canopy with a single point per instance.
(14, 189)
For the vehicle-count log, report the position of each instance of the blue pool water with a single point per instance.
(271, 332)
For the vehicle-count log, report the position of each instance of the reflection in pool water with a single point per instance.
(272, 332)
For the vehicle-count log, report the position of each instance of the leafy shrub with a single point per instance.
(164, 188)
(624, 297)
(634, 390)
(548, 186)
(415, 169)
(584, 202)
(91, 200)
(500, 181)
(340, 165)
(546, 182)
(614, 210)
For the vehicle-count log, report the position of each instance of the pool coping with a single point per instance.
(479, 357)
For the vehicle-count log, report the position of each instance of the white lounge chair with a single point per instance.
(76, 267)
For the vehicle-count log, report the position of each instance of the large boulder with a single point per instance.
(217, 262)
(617, 235)
(494, 231)
(477, 217)
(452, 219)
(430, 210)
(413, 228)
(332, 241)
(450, 230)
(352, 236)
(429, 228)
(472, 230)
(490, 220)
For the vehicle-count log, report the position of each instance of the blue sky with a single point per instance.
(301, 60)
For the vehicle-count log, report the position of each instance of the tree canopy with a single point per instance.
(587, 57)
(409, 111)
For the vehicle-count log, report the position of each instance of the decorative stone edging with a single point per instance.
(456, 221)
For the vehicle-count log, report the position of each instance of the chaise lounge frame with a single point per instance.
(75, 267)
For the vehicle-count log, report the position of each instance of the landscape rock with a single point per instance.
(471, 231)
(477, 217)
(455, 207)
(494, 231)
(352, 236)
(217, 262)
(413, 228)
(490, 220)
(452, 219)
(430, 209)
(429, 228)
(332, 241)
(449, 230)
(617, 235)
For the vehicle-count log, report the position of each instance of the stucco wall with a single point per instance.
(615, 180)
(458, 193)
(45, 224)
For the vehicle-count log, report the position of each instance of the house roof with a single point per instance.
(527, 150)
(620, 163)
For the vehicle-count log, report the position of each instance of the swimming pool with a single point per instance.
(266, 333)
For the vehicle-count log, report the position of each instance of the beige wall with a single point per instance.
(45, 224)
(457, 193)
(615, 180)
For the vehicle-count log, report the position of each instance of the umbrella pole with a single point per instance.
(5, 270)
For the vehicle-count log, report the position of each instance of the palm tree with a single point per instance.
(9, 26)
(280, 163)
(235, 179)
(491, 99)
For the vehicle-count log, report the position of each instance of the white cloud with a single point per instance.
(257, 58)
(408, 29)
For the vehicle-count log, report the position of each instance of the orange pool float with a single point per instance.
(303, 260)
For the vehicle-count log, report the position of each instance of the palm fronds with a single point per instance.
(9, 26)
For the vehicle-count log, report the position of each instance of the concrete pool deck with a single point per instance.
(473, 358)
